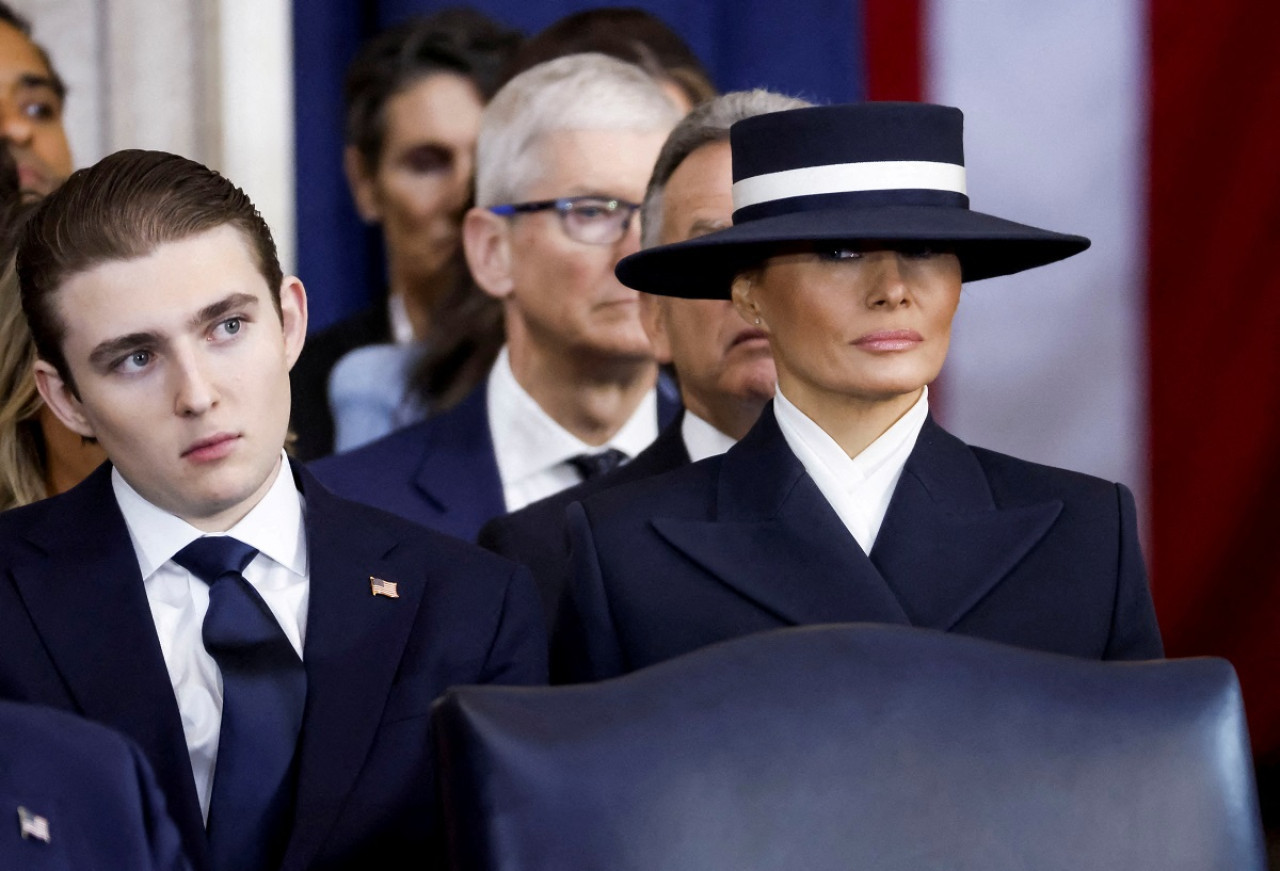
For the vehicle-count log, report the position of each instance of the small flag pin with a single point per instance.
(32, 826)
(379, 587)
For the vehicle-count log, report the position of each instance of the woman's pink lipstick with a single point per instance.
(889, 340)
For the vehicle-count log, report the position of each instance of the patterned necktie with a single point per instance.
(594, 465)
(264, 688)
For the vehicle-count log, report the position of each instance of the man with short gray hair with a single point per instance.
(564, 151)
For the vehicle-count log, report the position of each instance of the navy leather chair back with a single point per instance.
(856, 747)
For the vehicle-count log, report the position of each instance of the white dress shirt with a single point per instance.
(701, 439)
(533, 450)
(858, 488)
(398, 318)
(367, 393)
(179, 600)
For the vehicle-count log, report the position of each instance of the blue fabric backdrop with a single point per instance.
(811, 49)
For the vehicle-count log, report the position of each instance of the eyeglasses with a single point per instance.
(590, 220)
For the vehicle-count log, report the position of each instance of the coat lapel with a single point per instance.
(354, 644)
(667, 452)
(86, 599)
(459, 473)
(944, 544)
(775, 539)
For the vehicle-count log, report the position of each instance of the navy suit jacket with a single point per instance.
(76, 633)
(442, 472)
(93, 788)
(973, 542)
(536, 536)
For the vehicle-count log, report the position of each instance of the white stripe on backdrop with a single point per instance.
(1051, 365)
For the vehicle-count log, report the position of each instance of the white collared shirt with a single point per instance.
(701, 439)
(398, 318)
(533, 450)
(179, 600)
(858, 488)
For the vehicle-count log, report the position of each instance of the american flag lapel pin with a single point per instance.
(379, 587)
(32, 826)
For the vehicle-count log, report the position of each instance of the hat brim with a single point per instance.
(704, 267)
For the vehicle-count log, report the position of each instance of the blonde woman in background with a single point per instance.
(38, 455)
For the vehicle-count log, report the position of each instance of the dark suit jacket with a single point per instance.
(973, 542)
(310, 417)
(536, 535)
(76, 633)
(94, 789)
(442, 472)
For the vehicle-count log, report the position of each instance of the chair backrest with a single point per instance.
(856, 747)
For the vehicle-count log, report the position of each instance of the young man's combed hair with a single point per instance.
(123, 208)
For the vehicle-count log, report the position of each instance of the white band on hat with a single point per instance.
(840, 178)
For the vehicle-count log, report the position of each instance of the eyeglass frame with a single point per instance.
(564, 206)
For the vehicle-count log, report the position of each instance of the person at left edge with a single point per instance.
(78, 795)
(38, 455)
(32, 95)
(166, 331)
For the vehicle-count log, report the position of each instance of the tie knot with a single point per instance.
(594, 465)
(213, 556)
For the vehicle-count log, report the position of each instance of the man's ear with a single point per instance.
(363, 190)
(293, 317)
(744, 300)
(62, 400)
(653, 317)
(486, 239)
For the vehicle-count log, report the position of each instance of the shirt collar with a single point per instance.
(701, 439)
(817, 446)
(398, 318)
(528, 441)
(274, 526)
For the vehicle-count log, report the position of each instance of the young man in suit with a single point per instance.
(273, 649)
(564, 152)
(723, 364)
(846, 502)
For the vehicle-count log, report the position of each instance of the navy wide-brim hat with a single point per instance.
(864, 173)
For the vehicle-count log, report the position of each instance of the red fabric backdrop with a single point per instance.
(1210, 110)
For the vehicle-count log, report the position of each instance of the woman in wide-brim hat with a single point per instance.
(852, 235)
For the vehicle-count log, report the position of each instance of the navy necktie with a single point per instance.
(594, 465)
(264, 688)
